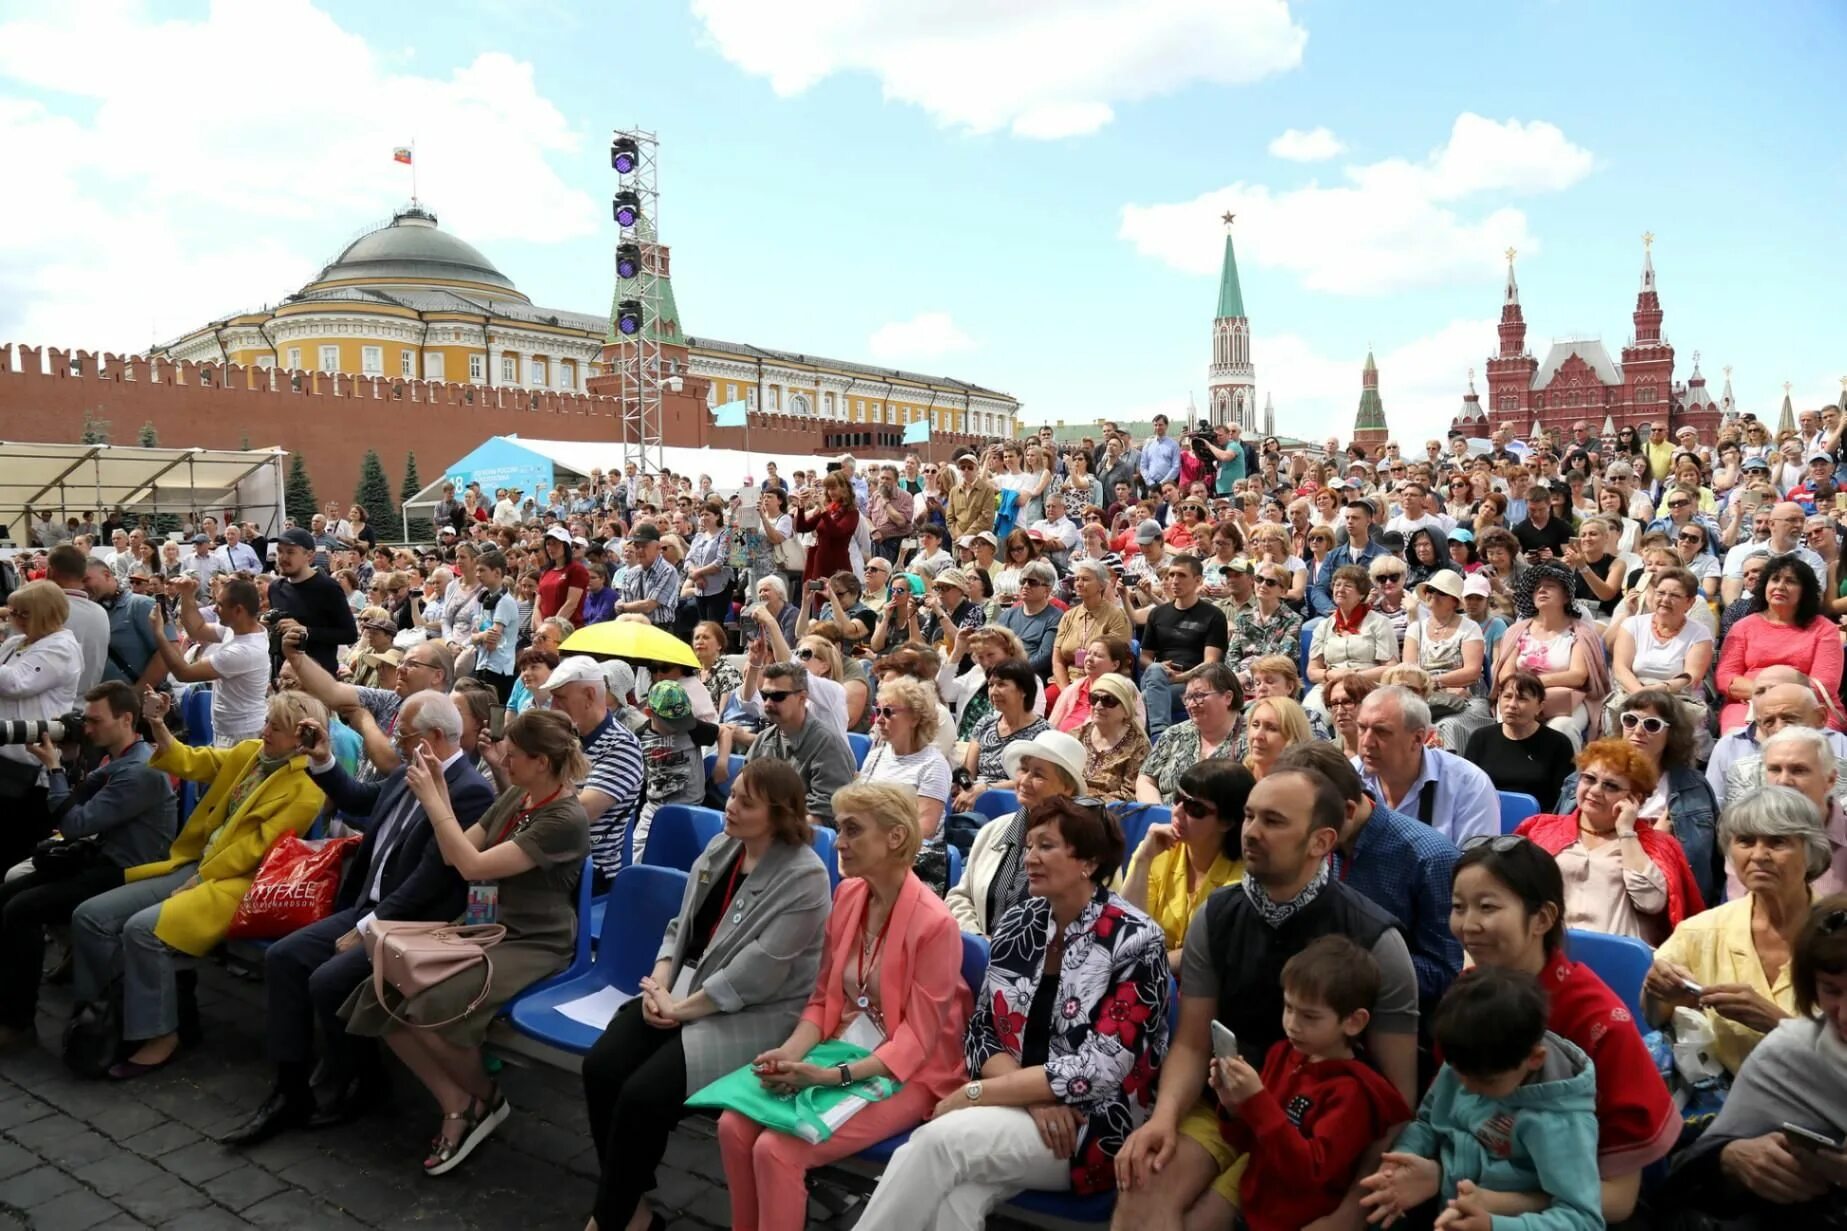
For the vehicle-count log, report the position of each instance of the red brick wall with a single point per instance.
(332, 420)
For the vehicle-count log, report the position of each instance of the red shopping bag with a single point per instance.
(295, 886)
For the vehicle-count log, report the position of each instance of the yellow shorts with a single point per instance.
(1201, 1124)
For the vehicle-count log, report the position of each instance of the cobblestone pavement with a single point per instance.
(97, 1156)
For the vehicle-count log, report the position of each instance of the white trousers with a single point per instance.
(953, 1171)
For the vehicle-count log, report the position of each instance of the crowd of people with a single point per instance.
(1326, 986)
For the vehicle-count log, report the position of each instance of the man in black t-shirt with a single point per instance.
(1542, 536)
(307, 598)
(1179, 637)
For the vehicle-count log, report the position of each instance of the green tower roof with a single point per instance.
(1231, 298)
(664, 329)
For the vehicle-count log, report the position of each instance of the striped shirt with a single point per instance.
(615, 770)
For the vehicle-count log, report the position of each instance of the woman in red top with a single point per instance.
(1626, 877)
(562, 584)
(1507, 907)
(833, 528)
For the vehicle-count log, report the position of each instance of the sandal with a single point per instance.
(492, 1112)
(446, 1155)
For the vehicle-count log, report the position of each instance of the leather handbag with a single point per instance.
(412, 957)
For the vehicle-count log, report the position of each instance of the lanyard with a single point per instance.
(522, 813)
(878, 947)
(731, 888)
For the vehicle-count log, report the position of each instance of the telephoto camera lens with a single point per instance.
(31, 730)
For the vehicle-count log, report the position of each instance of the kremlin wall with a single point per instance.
(331, 419)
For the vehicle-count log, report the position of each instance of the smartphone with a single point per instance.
(497, 722)
(307, 734)
(1692, 987)
(1224, 1042)
(1808, 1139)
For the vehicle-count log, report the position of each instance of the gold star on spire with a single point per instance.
(1510, 256)
(1648, 239)
(1786, 387)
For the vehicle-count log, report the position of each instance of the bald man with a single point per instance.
(1782, 697)
(1787, 520)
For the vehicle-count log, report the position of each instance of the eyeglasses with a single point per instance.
(1033, 581)
(1594, 782)
(1648, 722)
(1104, 701)
(1268, 581)
(1499, 843)
(888, 711)
(779, 696)
(1199, 698)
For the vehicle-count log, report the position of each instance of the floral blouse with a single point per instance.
(1108, 1026)
(1253, 637)
(1178, 751)
(1110, 776)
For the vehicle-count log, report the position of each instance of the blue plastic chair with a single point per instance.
(196, 713)
(995, 803)
(955, 864)
(723, 788)
(677, 835)
(190, 795)
(1516, 807)
(1135, 820)
(861, 745)
(1308, 637)
(1622, 962)
(824, 847)
(642, 901)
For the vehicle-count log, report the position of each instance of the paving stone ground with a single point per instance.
(98, 1156)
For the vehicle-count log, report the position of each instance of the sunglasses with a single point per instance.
(779, 696)
(804, 653)
(888, 711)
(1104, 701)
(1648, 722)
(1499, 843)
(1394, 578)
(1192, 805)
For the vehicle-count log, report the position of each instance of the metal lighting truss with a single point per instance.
(637, 356)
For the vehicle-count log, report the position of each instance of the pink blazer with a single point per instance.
(922, 996)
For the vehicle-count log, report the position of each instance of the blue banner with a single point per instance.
(731, 414)
(917, 432)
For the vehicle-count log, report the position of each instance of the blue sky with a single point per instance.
(1026, 201)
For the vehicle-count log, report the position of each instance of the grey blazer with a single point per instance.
(762, 963)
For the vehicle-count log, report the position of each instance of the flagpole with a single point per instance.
(413, 171)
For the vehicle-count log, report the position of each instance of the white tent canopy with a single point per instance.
(67, 480)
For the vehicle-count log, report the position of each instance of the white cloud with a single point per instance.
(1315, 145)
(1421, 382)
(183, 160)
(1044, 68)
(1392, 225)
(925, 336)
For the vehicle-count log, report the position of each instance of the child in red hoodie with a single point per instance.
(1307, 1120)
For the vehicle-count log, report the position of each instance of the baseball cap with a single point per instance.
(668, 702)
(1148, 531)
(1756, 463)
(646, 532)
(618, 679)
(200, 538)
(559, 533)
(953, 577)
(1820, 455)
(295, 536)
(576, 669)
(1475, 585)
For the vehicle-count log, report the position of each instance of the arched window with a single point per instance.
(798, 404)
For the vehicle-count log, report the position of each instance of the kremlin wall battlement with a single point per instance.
(331, 419)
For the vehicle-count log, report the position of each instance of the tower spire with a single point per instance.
(1369, 427)
(1513, 321)
(1726, 401)
(1513, 288)
(1647, 302)
(1231, 379)
(1269, 411)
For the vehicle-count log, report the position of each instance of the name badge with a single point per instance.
(863, 1032)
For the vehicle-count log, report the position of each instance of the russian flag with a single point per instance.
(401, 154)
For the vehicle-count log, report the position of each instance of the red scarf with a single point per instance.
(1348, 626)
(1555, 831)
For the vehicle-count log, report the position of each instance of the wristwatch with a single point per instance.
(846, 1074)
(973, 1091)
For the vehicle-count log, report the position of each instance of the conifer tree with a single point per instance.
(149, 438)
(95, 430)
(419, 529)
(298, 494)
(374, 494)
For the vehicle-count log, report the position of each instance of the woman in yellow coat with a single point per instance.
(259, 791)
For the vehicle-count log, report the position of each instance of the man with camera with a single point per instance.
(397, 873)
(120, 815)
(234, 653)
(310, 600)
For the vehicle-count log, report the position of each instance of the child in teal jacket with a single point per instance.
(1507, 1135)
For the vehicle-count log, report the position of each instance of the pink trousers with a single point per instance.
(766, 1170)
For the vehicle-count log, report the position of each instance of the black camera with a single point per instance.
(270, 618)
(31, 730)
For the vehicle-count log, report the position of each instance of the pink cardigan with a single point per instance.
(1755, 643)
(922, 996)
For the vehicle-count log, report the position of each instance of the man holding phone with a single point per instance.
(495, 639)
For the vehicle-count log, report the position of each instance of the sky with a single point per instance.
(1025, 196)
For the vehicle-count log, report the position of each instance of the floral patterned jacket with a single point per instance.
(1108, 1029)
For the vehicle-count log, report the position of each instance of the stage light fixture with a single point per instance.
(627, 208)
(628, 260)
(623, 155)
(628, 317)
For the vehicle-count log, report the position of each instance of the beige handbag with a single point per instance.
(413, 957)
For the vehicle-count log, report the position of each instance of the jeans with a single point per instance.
(1163, 702)
(954, 1170)
(113, 932)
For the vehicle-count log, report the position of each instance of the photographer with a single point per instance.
(310, 600)
(235, 653)
(119, 816)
